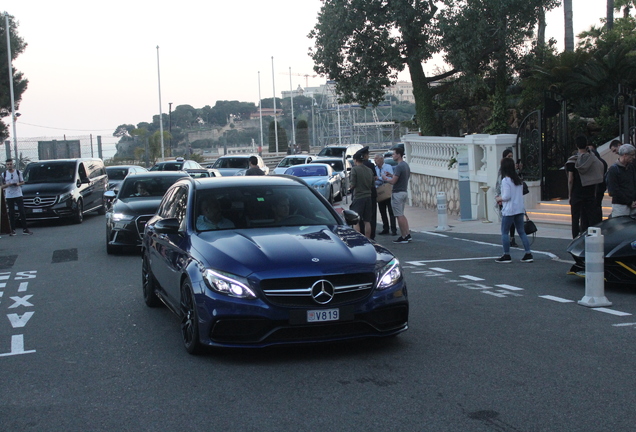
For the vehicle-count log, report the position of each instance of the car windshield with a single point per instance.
(260, 206)
(145, 187)
(117, 173)
(167, 166)
(231, 162)
(336, 165)
(332, 151)
(49, 172)
(307, 171)
(287, 162)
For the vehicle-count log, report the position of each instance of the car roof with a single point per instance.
(238, 156)
(234, 181)
(157, 174)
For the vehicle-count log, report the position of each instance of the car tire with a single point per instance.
(149, 285)
(78, 217)
(189, 321)
(331, 200)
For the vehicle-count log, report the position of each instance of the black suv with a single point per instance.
(64, 188)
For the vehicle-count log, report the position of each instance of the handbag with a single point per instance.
(384, 192)
(526, 191)
(528, 226)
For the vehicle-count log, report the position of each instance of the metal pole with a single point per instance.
(9, 59)
(260, 107)
(170, 128)
(291, 94)
(275, 120)
(160, 113)
(313, 122)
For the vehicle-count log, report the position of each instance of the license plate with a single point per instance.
(37, 210)
(323, 315)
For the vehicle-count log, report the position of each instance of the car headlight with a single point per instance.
(231, 285)
(320, 186)
(390, 274)
(117, 217)
(65, 197)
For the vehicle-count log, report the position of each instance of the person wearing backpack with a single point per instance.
(12, 182)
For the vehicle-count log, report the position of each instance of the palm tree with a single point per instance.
(569, 31)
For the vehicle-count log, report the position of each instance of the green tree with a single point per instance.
(123, 132)
(19, 82)
(487, 38)
(302, 135)
(363, 44)
(282, 138)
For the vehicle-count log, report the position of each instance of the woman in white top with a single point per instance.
(512, 210)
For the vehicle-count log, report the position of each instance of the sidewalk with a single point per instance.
(422, 220)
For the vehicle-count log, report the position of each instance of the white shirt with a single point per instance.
(12, 178)
(386, 168)
(512, 196)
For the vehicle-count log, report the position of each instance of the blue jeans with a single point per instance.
(506, 223)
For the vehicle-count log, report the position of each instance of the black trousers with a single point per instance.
(11, 203)
(583, 215)
(387, 220)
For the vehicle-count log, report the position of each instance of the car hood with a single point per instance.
(46, 188)
(225, 172)
(137, 205)
(619, 238)
(315, 180)
(288, 251)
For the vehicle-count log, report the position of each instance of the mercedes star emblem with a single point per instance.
(322, 291)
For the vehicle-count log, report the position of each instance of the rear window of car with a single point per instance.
(231, 163)
(332, 151)
(307, 171)
(117, 173)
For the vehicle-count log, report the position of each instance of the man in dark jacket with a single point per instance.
(621, 182)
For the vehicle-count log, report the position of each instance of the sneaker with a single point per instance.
(400, 240)
(513, 243)
(27, 231)
(527, 258)
(504, 259)
(12, 233)
(408, 238)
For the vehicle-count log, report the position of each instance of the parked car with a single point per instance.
(64, 188)
(339, 150)
(321, 177)
(117, 173)
(236, 165)
(619, 242)
(134, 204)
(289, 161)
(279, 267)
(177, 164)
(337, 165)
(204, 172)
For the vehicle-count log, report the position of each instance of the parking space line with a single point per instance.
(611, 311)
(472, 278)
(624, 325)
(441, 270)
(556, 299)
(509, 287)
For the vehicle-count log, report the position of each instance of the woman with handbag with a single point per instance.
(512, 210)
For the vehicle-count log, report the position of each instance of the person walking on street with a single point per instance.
(400, 181)
(584, 172)
(512, 211)
(621, 182)
(362, 185)
(12, 182)
(387, 221)
(507, 153)
(254, 169)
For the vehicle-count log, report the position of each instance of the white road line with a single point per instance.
(441, 270)
(556, 299)
(624, 324)
(434, 234)
(472, 278)
(451, 260)
(415, 263)
(509, 287)
(611, 311)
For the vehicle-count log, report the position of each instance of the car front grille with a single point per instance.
(141, 224)
(297, 292)
(39, 201)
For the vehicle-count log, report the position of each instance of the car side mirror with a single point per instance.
(110, 195)
(167, 226)
(351, 218)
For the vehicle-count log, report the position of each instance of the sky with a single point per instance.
(93, 66)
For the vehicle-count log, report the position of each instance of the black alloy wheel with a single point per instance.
(149, 285)
(189, 321)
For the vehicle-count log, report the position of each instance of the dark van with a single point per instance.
(64, 188)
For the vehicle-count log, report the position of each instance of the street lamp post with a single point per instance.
(170, 128)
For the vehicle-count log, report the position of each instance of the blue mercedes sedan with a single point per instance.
(265, 260)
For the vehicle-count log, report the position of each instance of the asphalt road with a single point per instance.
(491, 347)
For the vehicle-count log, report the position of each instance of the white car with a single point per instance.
(290, 161)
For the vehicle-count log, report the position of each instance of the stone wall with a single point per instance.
(424, 189)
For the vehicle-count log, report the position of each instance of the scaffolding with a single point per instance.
(352, 124)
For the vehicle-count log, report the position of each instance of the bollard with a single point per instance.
(594, 270)
(442, 216)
